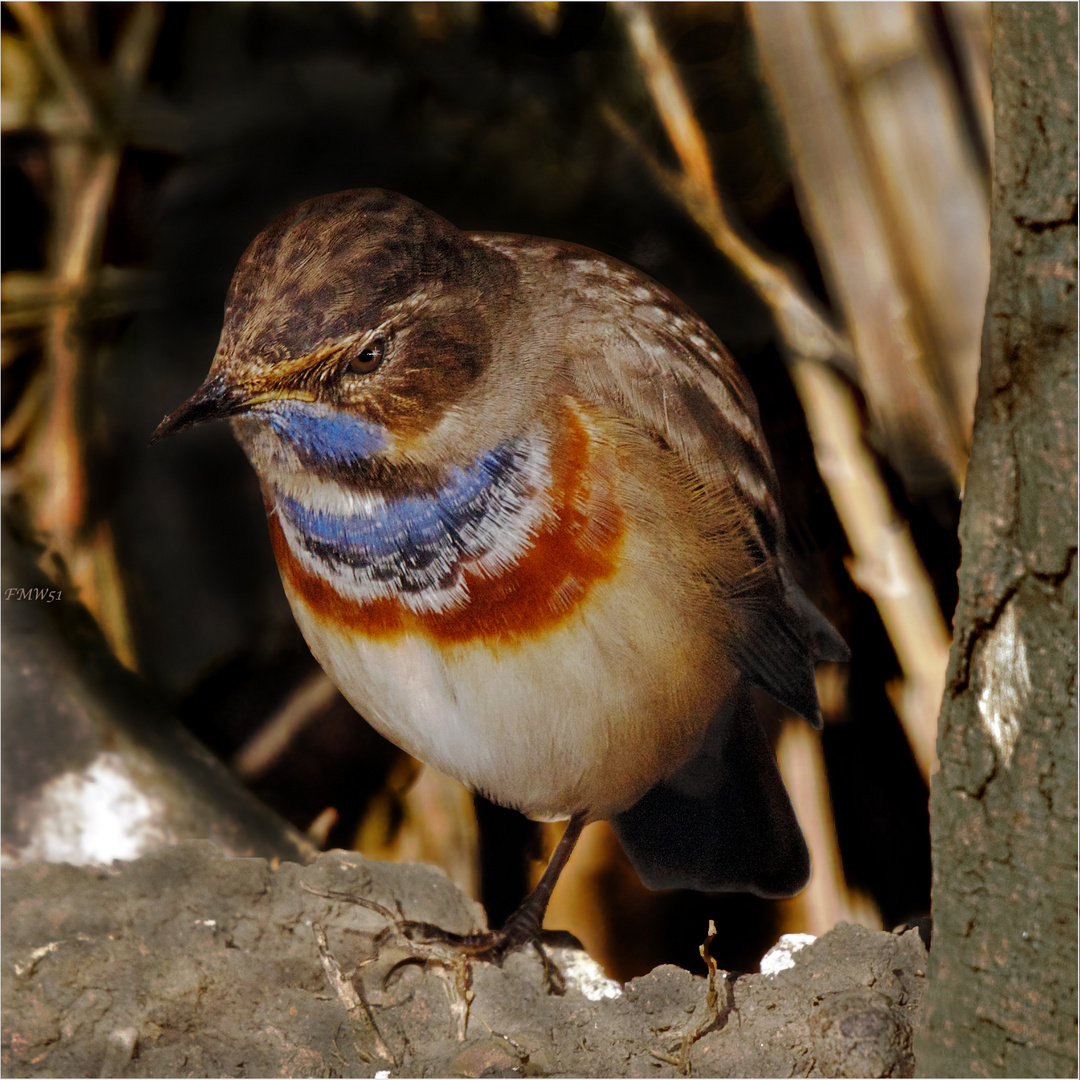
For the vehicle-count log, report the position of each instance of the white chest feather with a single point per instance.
(588, 716)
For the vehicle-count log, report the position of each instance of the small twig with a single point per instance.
(670, 1059)
(359, 901)
(29, 966)
(720, 1011)
(355, 1005)
(717, 1014)
(457, 980)
(443, 957)
(711, 996)
(302, 705)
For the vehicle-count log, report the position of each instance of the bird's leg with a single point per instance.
(523, 926)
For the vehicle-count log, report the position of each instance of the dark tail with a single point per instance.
(723, 821)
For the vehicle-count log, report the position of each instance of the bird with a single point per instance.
(526, 519)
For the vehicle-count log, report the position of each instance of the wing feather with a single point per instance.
(660, 365)
(641, 352)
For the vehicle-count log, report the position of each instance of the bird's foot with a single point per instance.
(521, 929)
(494, 946)
(427, 943)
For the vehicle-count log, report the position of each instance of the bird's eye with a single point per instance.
(365, 361)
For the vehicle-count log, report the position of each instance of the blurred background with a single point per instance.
(811, 178)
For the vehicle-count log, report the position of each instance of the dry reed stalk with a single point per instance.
(37, 28)
(803, 326)
(895, 200)
(827, 900)
(969, 27)
(884, 562)
(86, 149)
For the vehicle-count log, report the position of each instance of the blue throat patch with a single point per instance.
(416, 542)
(321, 434)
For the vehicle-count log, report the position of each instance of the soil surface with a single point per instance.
(189, 963)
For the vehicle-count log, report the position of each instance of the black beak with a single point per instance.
(212, 401)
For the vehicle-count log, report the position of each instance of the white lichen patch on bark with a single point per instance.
(1004, 682)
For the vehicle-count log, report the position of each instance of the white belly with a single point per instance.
(585, 717)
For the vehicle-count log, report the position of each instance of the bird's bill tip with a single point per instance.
(212, 401)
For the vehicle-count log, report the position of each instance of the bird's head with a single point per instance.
(353, 324)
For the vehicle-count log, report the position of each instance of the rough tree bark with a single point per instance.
(1002, 998)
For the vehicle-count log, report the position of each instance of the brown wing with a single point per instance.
(654, 361)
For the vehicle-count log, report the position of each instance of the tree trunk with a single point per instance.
(1003, 967)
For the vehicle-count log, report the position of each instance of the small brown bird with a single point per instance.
(527, 521)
